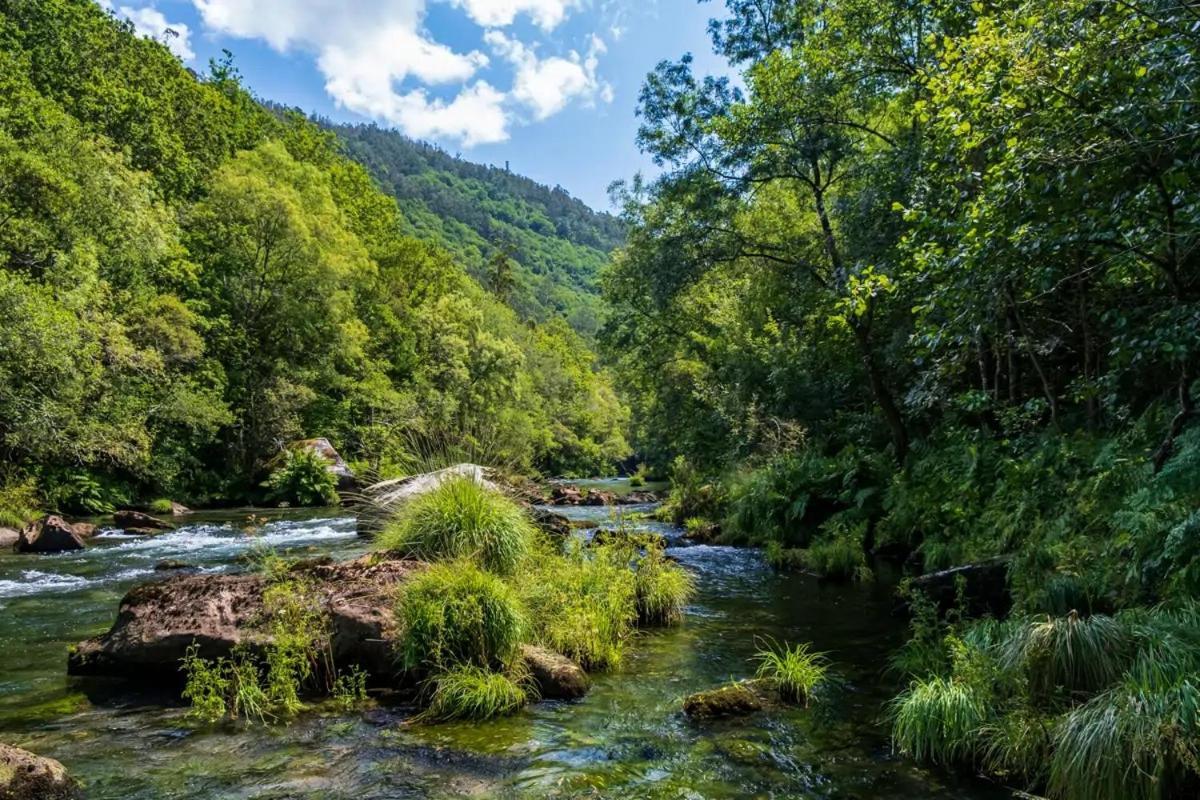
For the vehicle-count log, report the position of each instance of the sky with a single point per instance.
(549, 86)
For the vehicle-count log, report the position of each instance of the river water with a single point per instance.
(626, 739)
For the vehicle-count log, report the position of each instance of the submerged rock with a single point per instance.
(25, 776)
(157, 622)
(557, 677)
(52, 534)
(139, 522)
(732, 700)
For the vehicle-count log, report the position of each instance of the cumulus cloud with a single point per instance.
(150, 22)
(546, 85)
(546, 14)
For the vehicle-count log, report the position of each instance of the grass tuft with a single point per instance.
(662, 587)
(470, 692)
(937, 720)
(463, 519)
(1071, 653)
(794, 670)
(456, 614)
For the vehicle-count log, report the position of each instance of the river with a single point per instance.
(626, 739)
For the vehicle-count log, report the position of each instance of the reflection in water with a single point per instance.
(627, 738)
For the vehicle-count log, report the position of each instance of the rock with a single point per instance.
(985, 589)
(157, 622)
(732, 700)
(9, 538)
(557, 677)
(599, 498)
(24, 776)
(51, 534)
(137, 521)
(179, 509)
(347, 480)
(639, 498)
(553, 524)
(566, 496)
(84, 530)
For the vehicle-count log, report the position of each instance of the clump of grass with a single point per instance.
(839, 558)
(350, 689)
(463, 519)
(583, 604)
(784, 559)
(938, 719)
(1071, 653)
(456, 614)
(662, 588)
(1018, 743)
(161, 505)
(795, 671)
(471, 692)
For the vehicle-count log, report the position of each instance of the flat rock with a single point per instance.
(985, 586)
(50, 534)
(25, 776)
(157, 622)
(557, 677)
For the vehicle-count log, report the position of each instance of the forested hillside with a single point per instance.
(929, 286)
(486, 215)
(189, 280)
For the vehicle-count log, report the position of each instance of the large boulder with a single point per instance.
(157, 622)
(24, 776)
(347, 481)
(50, 534)
(554, 524)
(556, 676)
(9, 538)
(985, 586)
(140, 522)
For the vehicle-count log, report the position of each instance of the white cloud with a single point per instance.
(475, 116)
(547, 85)
(547, 14)
(150, 22)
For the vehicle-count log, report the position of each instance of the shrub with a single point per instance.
(18, 502)
(795, 671)
(470, 692)
(583, 604)
(838, 553)
(662, 588)
(456, 614)
(463, 519)
(692, 495)
(161, 505)
(303, 478)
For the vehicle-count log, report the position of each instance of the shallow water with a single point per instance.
(626, 739)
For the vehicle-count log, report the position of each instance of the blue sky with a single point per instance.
(548, 85)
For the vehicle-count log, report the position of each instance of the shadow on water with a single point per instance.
(628, 738)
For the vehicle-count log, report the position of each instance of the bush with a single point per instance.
(692, 494)
(303, 478)
(938, 719)
(583, 604)
(462, 519)
(794, 671)
(838, 552)
(456, 614)
(662, 588)
(18, 502)
(470, 692)
(161, 505)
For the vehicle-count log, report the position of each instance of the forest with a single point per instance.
(192, 279)
(923, 278)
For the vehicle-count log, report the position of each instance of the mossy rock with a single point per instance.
(25, 776)
(739, 699)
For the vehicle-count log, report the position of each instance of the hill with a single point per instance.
(483, 213)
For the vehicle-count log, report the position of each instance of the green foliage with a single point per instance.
(455, 614)
(937, 719)
(303, 478)
(161, 505)
(838, 552)
(191, 277)
(794, 671)
(662, 588)
(350, 689)
(18, 502)
(462, 519)
(471, 692)
(582, 604)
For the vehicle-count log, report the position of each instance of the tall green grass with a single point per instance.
(938, 720)
(794, 671)
(662, 588)
(463, 519)
(471, 692)
(456, 614)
